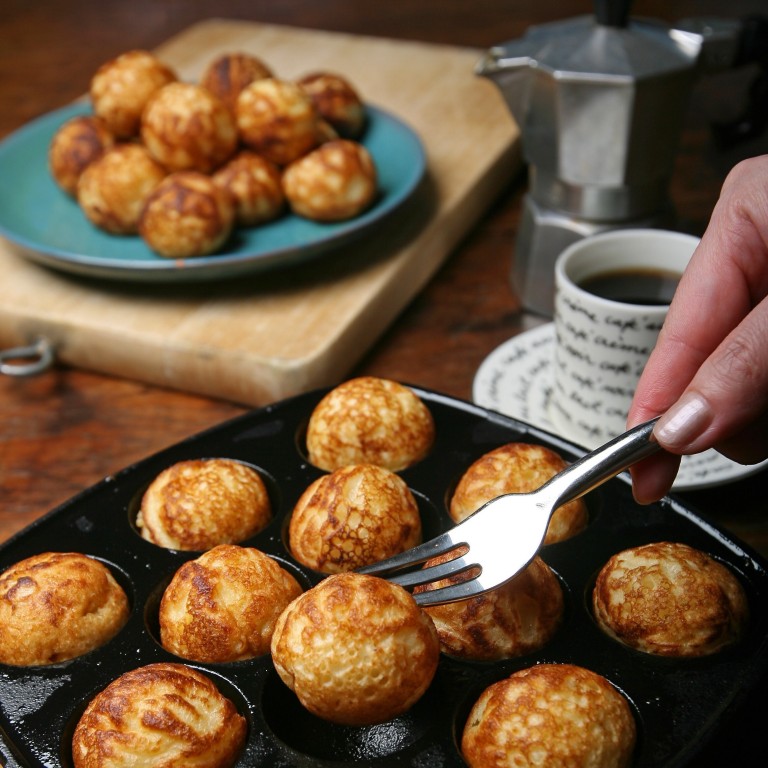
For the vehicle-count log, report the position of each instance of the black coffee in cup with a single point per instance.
(633, 286)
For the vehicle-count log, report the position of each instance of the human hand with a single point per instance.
(708, 375)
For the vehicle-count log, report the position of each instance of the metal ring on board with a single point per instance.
(27, 361)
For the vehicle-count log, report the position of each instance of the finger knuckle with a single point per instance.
(738, 362)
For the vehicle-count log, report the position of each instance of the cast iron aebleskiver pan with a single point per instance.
(677, 702)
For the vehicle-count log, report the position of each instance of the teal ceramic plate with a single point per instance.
(49, 227)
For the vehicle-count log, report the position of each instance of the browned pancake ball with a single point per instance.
(57, 606)
(224, 605)
(517, 468)
(355, 649)
(186, 128)
(353, 517)
(187, 215)
(368, 420)
(255, 185)
(337, 101)
(163, 715)
(553, 715)
(519, 617)
(277, 119)
(199, 503)
(114, 188)
(74, 146)
(122, 86)
(670, 599)
(229, 73)
(334, 182)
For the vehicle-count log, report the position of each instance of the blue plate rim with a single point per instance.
(222, 265)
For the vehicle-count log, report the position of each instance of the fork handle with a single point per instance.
(602, 464)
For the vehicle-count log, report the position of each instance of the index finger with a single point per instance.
(725, 279)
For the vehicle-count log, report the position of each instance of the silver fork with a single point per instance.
(498, 540)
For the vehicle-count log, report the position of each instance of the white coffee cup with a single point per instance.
(602, 342)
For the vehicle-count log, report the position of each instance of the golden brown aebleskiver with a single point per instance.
(334, 182)
(187, 215)
(160, 715)
(229, 73)
(553, 715)
(518, 617)
(56, 606)
(255, 185)
(75, 145)
(121, 87)
(186, 128)
(337, 101)
(517, 468)
(199, 503)
(370, 420)
(670, 599)
(355, 649)
(224, 605)
(277, 119)
(113, 190)
(353, 517)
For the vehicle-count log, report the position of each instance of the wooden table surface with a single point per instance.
(66, 429)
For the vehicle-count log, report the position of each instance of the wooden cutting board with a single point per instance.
(277, 334)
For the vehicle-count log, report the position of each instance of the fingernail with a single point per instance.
(683, 422)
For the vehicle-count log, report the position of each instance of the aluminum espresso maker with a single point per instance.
(600, 100)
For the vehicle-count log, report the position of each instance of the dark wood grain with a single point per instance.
(66, 429)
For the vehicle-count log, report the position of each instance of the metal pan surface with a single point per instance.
(679, 704)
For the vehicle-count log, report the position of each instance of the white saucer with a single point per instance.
(516, 380)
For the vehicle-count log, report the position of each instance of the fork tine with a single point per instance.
(434, 572)
(471, 536)
(451, 593)
(441, 544)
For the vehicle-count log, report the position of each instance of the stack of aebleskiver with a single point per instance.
(185, 164)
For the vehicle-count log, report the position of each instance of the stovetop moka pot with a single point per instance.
(600, 101)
